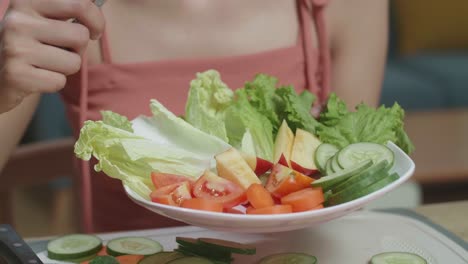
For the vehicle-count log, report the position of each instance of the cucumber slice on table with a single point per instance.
(287, 258)
(73, 246)
(338, 199)
(397, 257)
(233, 247)
(380, 167)
(327, 182)
(161, 258)
(217, 256)
(323, 153)
(357, 152)
(216, 245)
(191, 260)
(133, 246)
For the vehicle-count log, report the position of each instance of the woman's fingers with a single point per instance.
(64, 62)
(85, 11)
(73, 36)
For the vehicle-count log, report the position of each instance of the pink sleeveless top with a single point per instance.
(128, 88)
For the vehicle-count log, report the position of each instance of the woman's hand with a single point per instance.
(39, 47)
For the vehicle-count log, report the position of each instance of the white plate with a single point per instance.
(351, 239)
(403, 165)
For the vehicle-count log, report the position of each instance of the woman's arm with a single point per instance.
(13, 124)
(358, 39)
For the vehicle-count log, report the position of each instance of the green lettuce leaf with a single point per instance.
(242, 117)
(334, 111)
(261, 94)
(113, 119)
(296, 109)
(160, 143)
(366, 124)
(208, 98)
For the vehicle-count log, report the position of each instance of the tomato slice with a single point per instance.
(203, 204)
(259, 197)
(164, 179)
(305, 199)
(173, 194)
(210, 186)
(283, 181)
(275, 209)
(232, 211)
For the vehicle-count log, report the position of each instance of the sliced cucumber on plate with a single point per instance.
(327, 182)
(335, 166)
(358, 152)
(381, 167)
(323, 153)
(355, 194)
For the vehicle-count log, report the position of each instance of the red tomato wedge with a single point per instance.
(173, 194)
(259, 197)
(212, 187)
(164, 179)
(203, 204)
(275, 209)
(304, 200)
(283, 181)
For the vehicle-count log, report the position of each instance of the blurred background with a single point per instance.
(427, 73)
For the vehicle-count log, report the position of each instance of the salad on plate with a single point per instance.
(255, 150)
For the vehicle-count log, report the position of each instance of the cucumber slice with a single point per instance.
(357, 152)
(133, 246)
(335, 166)
(374, 169)
(286, 258)
(104, 260)
(327, 182)
(363, 192)
(73, 246)
(216, 245)
(356, 187)
(222, 256)
(191, 260)
(323, 153)
(161, 258)
(328, 167)
(82, 259)
(233, 247)
(192, 247)
(397, 257)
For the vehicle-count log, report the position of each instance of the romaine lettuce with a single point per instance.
(208, 98)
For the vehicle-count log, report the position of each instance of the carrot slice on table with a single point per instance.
(259, 197)
(275, 209)
(203, 204)
(129, 259)
(103, 251)
(304, 200)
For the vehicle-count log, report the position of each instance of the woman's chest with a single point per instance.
(225, 30)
